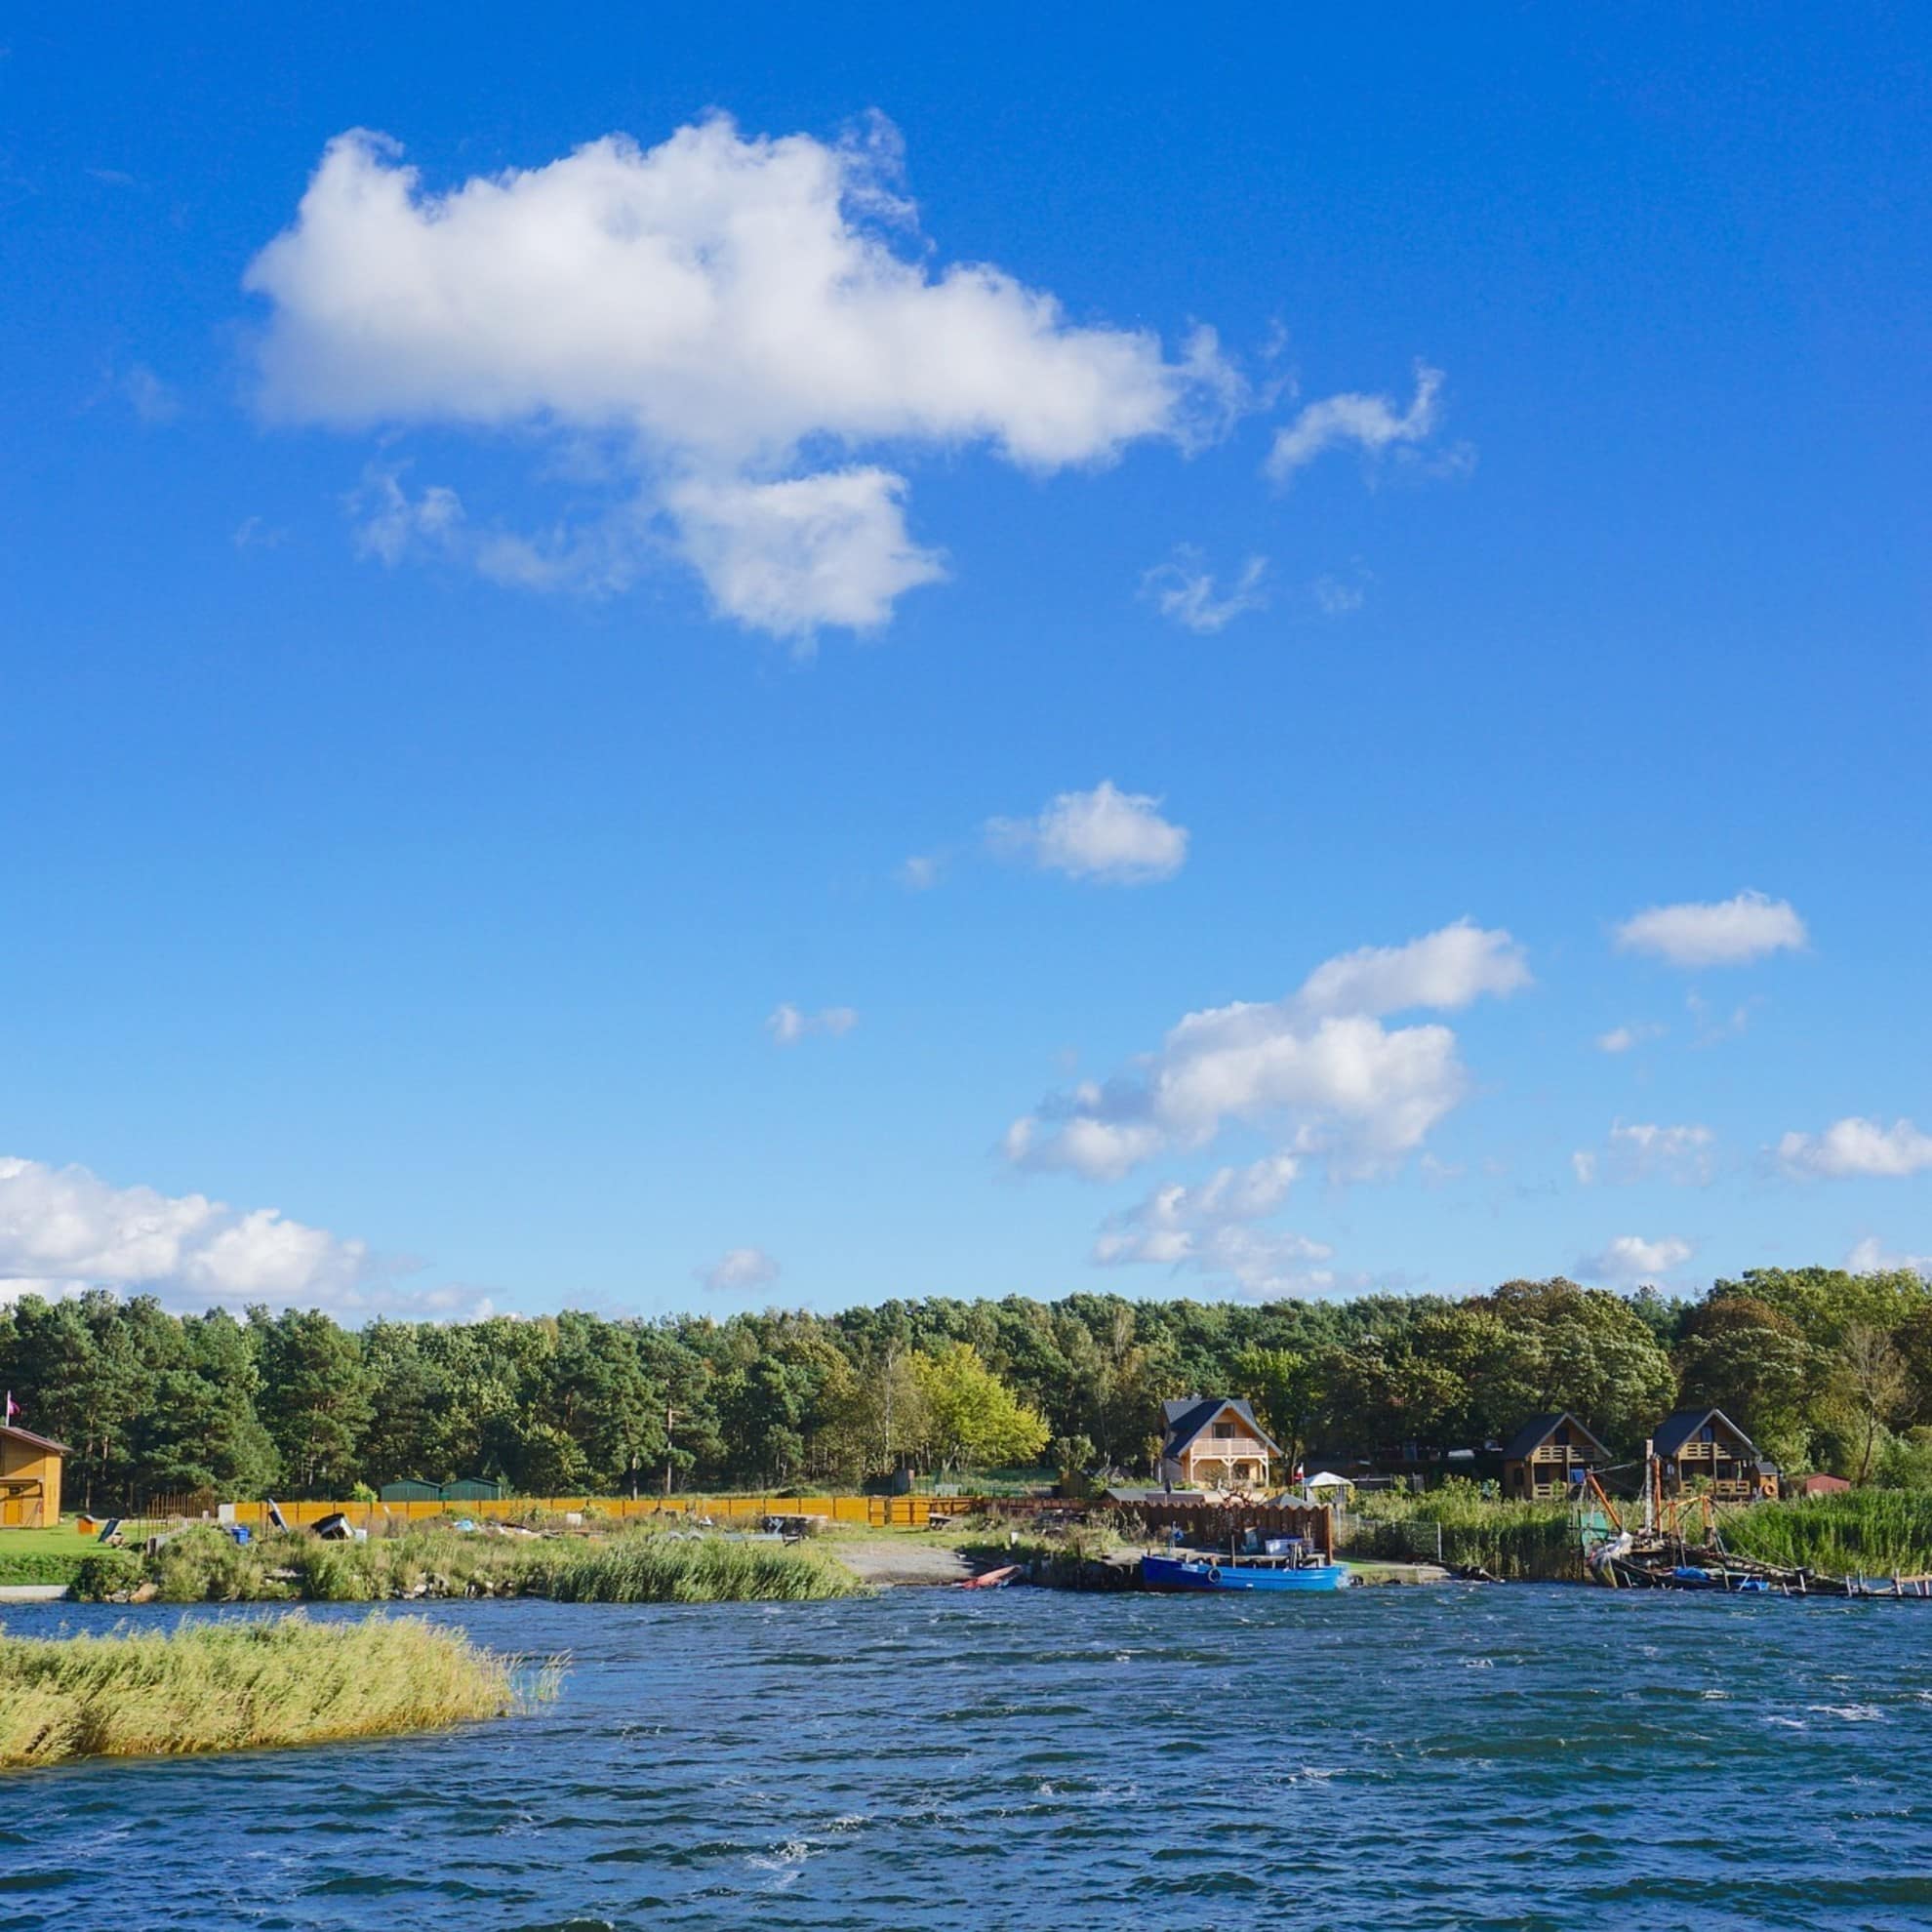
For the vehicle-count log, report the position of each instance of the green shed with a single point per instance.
(464, 1489)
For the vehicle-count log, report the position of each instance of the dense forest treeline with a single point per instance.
(1828, 1370)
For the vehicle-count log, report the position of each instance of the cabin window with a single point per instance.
(1707, 1434)
(1224, 1431)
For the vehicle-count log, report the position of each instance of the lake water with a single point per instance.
(1519, 1756)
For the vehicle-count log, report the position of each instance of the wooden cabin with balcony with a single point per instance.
(1703, 1450)
(1215, 1442)
(1547, 1458)
(30, 1479)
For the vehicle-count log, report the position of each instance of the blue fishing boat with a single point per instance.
(1197, 1572)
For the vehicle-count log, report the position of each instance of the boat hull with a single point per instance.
(1209, 1573)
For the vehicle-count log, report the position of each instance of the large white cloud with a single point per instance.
(66, 1229)
(1114, 836)
(1856, 1145)
(1318, 1062)
(1729, 932)
(730, 313)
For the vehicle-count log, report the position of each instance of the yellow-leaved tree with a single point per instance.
(971, 1415)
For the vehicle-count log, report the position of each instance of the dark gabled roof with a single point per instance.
(38, 1441)
(1538, 1429)
(1188, 1417)
(1674, 1431)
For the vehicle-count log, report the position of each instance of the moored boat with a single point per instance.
(1197, 1572)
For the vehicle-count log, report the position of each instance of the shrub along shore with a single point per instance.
(633, 1567)
(236, 1686)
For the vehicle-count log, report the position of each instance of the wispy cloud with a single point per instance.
(1184, 589)
(787, 1025)
(739, 1272)
(1371, 424)
(1621, 1039)
(155, 402)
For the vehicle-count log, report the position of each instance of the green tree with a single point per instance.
(316, 1397)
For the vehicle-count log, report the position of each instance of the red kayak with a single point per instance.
(990, 1579)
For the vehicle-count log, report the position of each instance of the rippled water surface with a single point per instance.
(1517, 1756)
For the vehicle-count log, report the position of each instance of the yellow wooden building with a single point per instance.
(30, 1479)
(1705, 1449)
(1549, 1457)
(1215, 1441)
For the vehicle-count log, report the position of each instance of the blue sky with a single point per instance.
(483, 648)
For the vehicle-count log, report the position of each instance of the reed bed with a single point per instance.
(237, 1686)
(633, 1567)
(1870, 1532)
(1521, 1541)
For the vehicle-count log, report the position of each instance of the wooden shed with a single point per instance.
(1705, 1446)
(30, 1479)
(1547, 1457)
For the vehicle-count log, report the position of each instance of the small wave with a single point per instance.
(1852, 1714)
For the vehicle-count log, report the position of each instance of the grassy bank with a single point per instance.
(237, 1686)
(1870, 1532)
(41, 1555)
(632, 1566)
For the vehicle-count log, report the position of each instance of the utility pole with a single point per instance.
(670, 1421)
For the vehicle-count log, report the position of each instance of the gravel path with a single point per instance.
(901, 1561)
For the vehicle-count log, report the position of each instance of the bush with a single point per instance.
(104, 1572)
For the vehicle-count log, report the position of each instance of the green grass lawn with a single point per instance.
(42, 1556)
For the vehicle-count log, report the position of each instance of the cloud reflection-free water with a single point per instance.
(1514, 1756)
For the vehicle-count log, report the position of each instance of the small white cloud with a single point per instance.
(1184, 589)
(1621, 1039)
(1630, 1258)
(1857, 1146)
(787, 1025)
(794, 556)
(1112, 836)
(1582, 1164)
(739, 1272)
(1730, 932)
(920, 872)
(151, 399)
(1871, 1256)
(1370, 423)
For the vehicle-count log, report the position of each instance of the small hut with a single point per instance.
(30, 1479)
(1705, 1446)
(1547, 1457)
